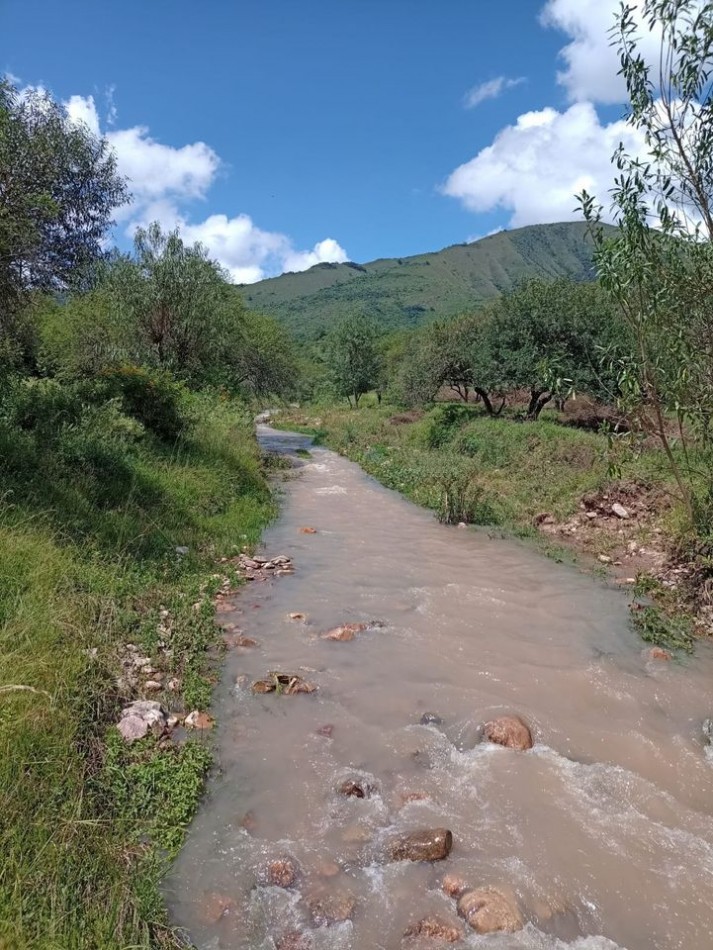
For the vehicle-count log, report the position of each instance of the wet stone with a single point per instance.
(214, 906)
(279, 872)
(431, 844)
(287, 683)
(325, 731)
(198, 720)
(508, 731)
(489, 910)
(294, 940)
(331, 907)
(435, 928)
(453, 886)
(356, 789)
(431, 719)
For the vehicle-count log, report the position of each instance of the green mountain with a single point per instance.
(405, 291)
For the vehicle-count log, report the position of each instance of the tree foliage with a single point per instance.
(659, 267)
(58, 189)
(353, 357)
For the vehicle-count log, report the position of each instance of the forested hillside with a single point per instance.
(407, 291)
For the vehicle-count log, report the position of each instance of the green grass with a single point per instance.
(87, 564)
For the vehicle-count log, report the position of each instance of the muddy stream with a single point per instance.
(601, 835)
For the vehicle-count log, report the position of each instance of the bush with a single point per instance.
(152, 397)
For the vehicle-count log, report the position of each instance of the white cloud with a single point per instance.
(162, 177)
(592, 63)
(489, 90)
(534, 168)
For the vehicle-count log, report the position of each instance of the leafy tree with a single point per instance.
(662, 276)
(548, 337)
(58, 189)
(353, 357)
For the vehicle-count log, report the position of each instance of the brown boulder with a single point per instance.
(436, 928)
(657, 653)
(308, 531)
(430, 844)
(347, 631)
(294, 940)
(509, 731)
(488, 910)
(325, 731)
(279, 872)
(198, 720)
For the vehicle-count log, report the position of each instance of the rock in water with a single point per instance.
(329, 907)
(453, 886)
(509, 731)
(707, 729)
(353, 789)
(280, 872)
(431, 844)
(431, 719)
(488, 910)
(436, 928)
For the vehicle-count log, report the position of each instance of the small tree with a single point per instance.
(353, 357)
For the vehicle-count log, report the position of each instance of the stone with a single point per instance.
(172, 722)
(215, 906)
(331, 907)
(297, 617)
(620, 511)
(351, 789)
(436, 928)
(508, 731)
(152, 686)
(241, 641)
(308, 531)
(431, 719)
(328, 869)
(181, 550)
(707, 729)
(294, 940)
(488, 910)
(347, 631)
(287, 683)
(604, 559)
(141, 717)
(406, 797)
(658, 653)
(198, 720)
(174, 684)
(249, 822)
(453, 886)
(325, 731)
(430, 844)
(279, 872)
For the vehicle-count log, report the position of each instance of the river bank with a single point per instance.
(109, 577)
(414, 636)
(551, 483)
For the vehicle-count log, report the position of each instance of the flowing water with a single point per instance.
(603, 831)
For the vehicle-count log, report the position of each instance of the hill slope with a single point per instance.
(410, 290)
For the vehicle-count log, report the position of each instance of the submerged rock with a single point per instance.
(430, 844)
(331, 907)
(488, 910)
(347, 631)
(294, 940)
(140, 718)
(279, 872)
(287, 683)
(214, 906)
(436, 928)
(308, 531)
(707, 730)
(508, 731)
(453, 886)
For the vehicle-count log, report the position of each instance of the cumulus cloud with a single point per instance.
(534, 168)
(591, 62)
(163, 177)
(489, 90)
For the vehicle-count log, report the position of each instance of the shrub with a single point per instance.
(152, 397)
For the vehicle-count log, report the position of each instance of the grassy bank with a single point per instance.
(541, 480)
(90, 525)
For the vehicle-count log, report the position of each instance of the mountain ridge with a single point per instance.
(407, 291)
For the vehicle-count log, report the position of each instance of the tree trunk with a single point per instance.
(486, 400)
(538, 401)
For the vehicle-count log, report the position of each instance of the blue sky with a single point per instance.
(282, 132)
